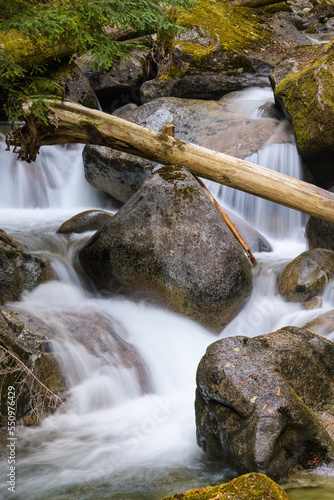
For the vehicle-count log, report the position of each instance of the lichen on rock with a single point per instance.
(252, 486)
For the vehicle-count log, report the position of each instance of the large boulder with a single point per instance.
(170, 246)
(217, 125)
(252, 486)
(255, 400)
(303, 86)
(19, 270)
(223, 48)
(307, 275)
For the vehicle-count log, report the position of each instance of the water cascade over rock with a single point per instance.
(121, 422)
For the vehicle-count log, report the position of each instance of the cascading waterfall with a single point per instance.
(116, 440)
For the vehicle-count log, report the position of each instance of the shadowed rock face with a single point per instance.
(255, 401)
(303, 87)
(320, 233)
(169, 245)
(96, 332)
(19, 269)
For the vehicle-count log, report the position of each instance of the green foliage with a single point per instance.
(34, 33)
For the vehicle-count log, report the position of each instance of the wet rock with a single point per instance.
(251, 486)
(212, 124)
(118, 174)
(319, 233)
(98, 335)
(31, 364)
(307, 275)
(313, 303)
(255, 240)
(90, 220)
(169, 245)
(315, 27)
(321, 325)
(28, 365)
(304, 89)
(19, 270)
(255, 401)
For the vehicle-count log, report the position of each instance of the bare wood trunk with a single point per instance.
(73, 123)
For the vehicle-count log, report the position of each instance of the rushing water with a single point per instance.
(114, 441)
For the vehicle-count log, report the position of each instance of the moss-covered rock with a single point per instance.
(28, 365)
(255, 401)
(252, 486)
(223, 48)
(19, 269)
(277, 7)
(307, 275)
(169, 245)
(116, 86)
(304, 86)
(90, 220)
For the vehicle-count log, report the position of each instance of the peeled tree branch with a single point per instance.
(68, 122)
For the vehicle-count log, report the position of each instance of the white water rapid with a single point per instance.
(113, 441)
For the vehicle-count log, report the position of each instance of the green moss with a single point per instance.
(233, 28)
(277, 7)
(226, 28)
(171, 173)
(251, 486)
(173, 73)
(309, 99)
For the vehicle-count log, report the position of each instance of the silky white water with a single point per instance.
(114, 441)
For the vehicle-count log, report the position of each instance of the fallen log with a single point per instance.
(169, 130)
(68, 122)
